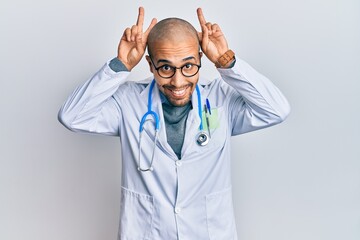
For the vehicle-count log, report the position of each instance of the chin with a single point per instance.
(179, 103)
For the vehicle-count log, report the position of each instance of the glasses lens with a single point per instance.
(166, 71)
(189, 70)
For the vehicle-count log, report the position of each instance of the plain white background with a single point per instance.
(295, 181)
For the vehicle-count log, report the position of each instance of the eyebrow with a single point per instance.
(183, 60)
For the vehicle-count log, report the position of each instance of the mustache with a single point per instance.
(172, 87)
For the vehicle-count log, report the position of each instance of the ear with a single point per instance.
(150, 63)
(200, 54)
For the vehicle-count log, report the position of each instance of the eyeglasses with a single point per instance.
(167, 71)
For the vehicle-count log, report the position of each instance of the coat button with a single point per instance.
(177, 210)
(178, 163)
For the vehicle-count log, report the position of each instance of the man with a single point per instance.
(175, 133)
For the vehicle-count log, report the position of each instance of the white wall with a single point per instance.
(299, 180)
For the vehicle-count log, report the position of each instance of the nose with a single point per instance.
(178, 79)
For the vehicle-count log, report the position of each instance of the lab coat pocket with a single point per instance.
(136, 215)
(218, 131)
(220, 216)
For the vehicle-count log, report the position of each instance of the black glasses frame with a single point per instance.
(175, 68)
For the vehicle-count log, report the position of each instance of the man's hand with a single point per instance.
(212, 40)
(133, 42)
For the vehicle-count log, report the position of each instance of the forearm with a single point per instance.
(262, 102)
(84, 108)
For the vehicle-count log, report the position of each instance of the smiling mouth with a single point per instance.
(177, 93)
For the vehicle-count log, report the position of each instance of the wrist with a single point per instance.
(226, 60)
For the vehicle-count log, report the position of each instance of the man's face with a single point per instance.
(167, 54)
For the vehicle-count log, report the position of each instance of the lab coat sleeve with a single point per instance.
(255, 102)
(91, 107)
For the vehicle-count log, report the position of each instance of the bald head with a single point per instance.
(171, 29)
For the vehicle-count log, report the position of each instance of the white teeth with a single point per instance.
(178, 92)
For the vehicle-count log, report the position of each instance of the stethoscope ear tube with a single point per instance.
(150, 168)
(202, 138)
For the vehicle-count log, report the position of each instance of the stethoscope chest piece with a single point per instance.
(202, 139)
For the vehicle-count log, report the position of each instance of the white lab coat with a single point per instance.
(183, 199)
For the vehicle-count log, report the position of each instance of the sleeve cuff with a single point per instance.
(117, 66)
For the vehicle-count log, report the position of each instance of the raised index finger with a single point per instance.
(201, 16)
(140, 19)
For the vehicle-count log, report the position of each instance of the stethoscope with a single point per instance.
(202, 138)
